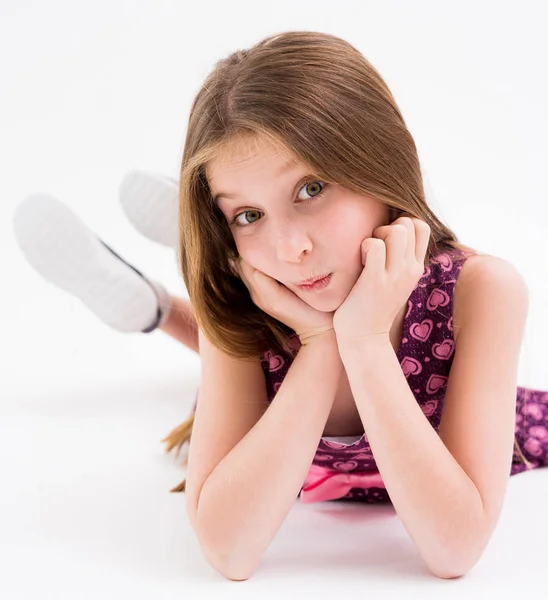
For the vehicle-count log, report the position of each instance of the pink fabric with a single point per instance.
(323, 484)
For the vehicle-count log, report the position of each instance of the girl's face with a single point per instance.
(291, 225)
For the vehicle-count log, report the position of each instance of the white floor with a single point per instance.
(85, 510)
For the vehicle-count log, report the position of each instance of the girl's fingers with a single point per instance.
(423, 237)
(396, 246)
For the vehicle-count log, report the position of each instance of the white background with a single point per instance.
(89, 90)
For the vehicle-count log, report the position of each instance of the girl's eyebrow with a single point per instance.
(289, 165)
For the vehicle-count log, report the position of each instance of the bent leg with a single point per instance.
(181, 324)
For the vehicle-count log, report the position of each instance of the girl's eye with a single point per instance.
(318, 190)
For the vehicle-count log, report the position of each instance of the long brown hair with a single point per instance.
(317, 97)
(321, 100)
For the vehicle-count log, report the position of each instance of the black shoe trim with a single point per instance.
(159, 313)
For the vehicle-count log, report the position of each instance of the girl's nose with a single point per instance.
(292, 244)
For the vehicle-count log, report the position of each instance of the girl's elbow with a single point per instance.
(448, 573)
(455, 568)
(229, 566)
(236, 576)
(223, 556)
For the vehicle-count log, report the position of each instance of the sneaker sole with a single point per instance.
(65, 252)
(150, 202)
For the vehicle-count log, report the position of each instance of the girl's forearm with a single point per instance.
(245, 500)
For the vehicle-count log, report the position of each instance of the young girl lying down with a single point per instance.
(351, 348)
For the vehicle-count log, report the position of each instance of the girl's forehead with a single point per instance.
(242, 152)
(250, 160)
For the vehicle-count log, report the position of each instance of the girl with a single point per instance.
(337, 348)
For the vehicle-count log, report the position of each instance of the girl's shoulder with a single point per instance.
(462, 252)
(469, 260)
(444, 266)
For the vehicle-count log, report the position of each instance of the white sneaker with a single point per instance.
(65, 252)
(150, 201)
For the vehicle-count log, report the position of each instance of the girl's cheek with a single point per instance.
(252, 253)
(344, 224)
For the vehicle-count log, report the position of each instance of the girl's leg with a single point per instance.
(181, 324)
(150, 202)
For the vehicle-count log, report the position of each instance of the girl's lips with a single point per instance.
(312, 280)
(318, 285)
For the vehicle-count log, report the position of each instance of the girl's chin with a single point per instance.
(325, 306)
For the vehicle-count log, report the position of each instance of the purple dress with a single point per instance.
(425, 355)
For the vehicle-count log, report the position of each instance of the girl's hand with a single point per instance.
(393, 262)
(281, 303)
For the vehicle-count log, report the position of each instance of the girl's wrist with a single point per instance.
(308, 337)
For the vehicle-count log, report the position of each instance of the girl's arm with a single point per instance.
(246, 498)
(449, 488)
